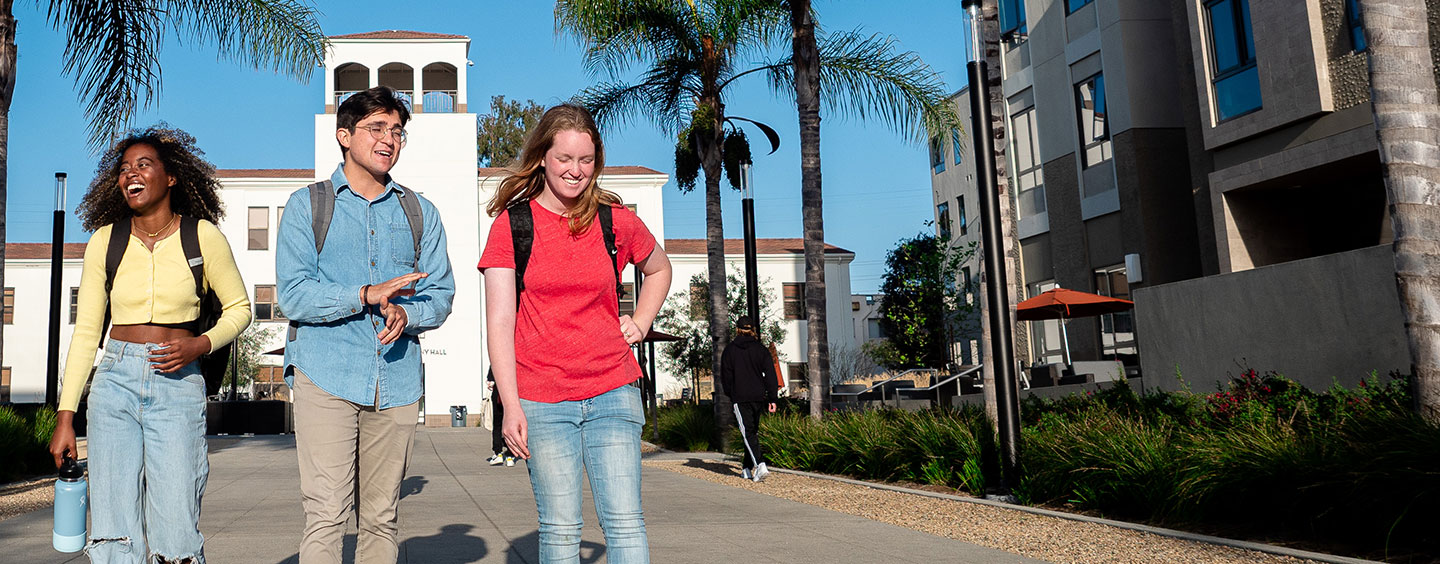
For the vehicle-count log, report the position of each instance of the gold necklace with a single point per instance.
(173, 217)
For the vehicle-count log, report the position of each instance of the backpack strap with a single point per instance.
(114, 253)
(607, 229)
(322, 209)
(190, 242)
(522, 239)
(410, 202)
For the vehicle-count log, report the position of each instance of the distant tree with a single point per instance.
(849, 362)
(686, 315)
(249, 347)
(925, 303)
(501, 133)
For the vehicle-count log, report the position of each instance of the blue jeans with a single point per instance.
(146, 442)
(601, 437)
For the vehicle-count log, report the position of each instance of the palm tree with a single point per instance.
(112, 50)
(1403, 95)
(690, 50)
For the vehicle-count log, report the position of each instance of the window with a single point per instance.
(937, 155)
(797, 372)
(279, 213)
(1232, 50)
(795, 300)
(1072, 5)
(259, 229)
(74, 303)
(1094, 129)
(942, 213)
(1046, 343)
(965, 284)
(1356, 25)
(955, 144)
(266, 308)
(1012, 18)
(854, 305)
(633, 208)
(627, 299)
(698, 296)
(9, 311)
(4, 384)
(874, 329)
(1029, 177)
(960, 214)
(1117, 330)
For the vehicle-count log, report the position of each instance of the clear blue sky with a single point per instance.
(876, 182)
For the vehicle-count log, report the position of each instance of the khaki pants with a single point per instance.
(329, 432)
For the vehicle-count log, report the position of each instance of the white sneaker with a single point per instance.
(509, 461)
(495, 460)
(745, 473)
(761, 472)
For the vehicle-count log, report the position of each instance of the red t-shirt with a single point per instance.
(568, 344)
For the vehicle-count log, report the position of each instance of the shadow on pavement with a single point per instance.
(526, 550)
(412, 485)
(720, 468)
(452, 545)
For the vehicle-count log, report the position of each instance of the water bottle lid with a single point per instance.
(70, 470)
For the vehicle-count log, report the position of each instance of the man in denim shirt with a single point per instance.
(353, 356)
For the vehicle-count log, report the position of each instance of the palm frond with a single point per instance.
(280, 35)
(619, 33)
(617, 104)
(110, 47)
(865, 76)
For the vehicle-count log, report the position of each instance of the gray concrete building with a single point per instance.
(957, 218)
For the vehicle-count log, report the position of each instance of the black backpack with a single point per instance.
(212, 365)
(322, 211)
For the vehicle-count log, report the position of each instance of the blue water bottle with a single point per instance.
(71, 499)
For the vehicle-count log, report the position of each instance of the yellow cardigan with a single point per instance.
(151, 287)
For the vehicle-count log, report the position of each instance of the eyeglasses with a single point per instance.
(380, 132)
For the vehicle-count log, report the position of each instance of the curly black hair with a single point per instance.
(196, 192)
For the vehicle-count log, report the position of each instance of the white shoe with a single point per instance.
(761, 472)
(495, 460)
(745, 473)
(509, 461)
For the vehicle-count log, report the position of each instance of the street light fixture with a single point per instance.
(752, 275)
(57, 244)
(997, 299)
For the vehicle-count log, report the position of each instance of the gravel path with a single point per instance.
(27, 496)
(1035, 536)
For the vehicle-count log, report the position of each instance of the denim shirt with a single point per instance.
(336, 343)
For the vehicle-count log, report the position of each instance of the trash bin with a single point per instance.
(457, 415)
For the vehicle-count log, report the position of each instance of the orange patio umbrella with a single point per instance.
(1063, 304)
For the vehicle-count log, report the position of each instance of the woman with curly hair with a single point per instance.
(147, 402)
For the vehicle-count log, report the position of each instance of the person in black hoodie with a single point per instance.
(747, 372)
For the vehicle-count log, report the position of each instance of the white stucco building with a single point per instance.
(439, 162)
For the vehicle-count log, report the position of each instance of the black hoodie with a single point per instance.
(747, 371)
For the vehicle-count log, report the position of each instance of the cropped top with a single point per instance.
(154, 287)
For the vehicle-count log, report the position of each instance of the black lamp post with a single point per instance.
(57, 244)
(997, 299)
(752, 274)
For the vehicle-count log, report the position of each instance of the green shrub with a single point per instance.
(25, 438)
(685, 427)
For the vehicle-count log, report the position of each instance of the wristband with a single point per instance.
(365, 295)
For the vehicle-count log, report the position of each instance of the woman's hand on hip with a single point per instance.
(62, 439)
(174, 354)
(516, 432)
(632, 331)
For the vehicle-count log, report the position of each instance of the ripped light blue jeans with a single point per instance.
(600, 437)
(148, 465)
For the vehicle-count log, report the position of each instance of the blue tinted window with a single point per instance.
(937, 155)
(942, 211)
(1356, 25)
(1094, 122)
(1012, 17)
(1072, 5)
(960, 211)
(955, 140)
(1232, 50)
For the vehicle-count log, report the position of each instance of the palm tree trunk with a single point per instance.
(7, 92)
(990, 38)
(709, 144)
(807, 102)
(1407, 124)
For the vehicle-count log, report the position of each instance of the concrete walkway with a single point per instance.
(455, 509)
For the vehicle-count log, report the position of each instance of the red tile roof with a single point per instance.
(398, 34)
(301, 173)
(737, 247)
(621, 170)
(42, 250)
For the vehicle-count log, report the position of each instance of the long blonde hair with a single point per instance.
(527, 181)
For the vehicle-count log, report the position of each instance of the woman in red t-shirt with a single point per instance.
(562, 358)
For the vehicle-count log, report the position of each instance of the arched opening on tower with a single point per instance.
(441, 84)
(349, 79)
(401, 77)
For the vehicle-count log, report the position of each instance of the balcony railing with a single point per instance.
(406, 95)
(439, 101)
